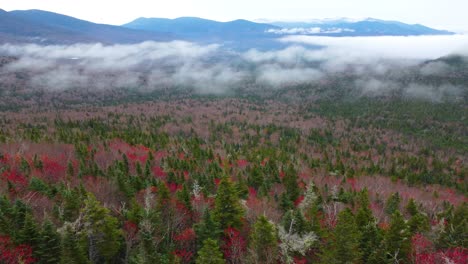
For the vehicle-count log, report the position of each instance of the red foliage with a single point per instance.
(234, 244)
(15, 178)
(130, 228)
(352, 182)
(184, 255)
(173, 187)
(300, 260)
(53, 170)
(299, 200)
(217, 181)
(10, 254)
(242, 163)
(423, 252)
(159, 173)
(186, 235)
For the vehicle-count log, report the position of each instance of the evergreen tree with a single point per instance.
(454, 232)
(397, 240)
(264, 241)
(49, 245)
(184, 197)
(291, 185)
(207, 228)
(72, 249)
(392, 204)
(102, 231)
(411, 207)
(344, 247)
(228, 211)
(295, 222)
(367, 226)
(210, 253)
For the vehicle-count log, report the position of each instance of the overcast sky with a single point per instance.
(443, 14)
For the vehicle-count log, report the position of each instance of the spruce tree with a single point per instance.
(210, 253)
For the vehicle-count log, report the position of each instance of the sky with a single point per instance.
(441, 14)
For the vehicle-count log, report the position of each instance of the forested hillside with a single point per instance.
(231, 180)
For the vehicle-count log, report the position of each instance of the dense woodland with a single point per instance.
(230, 180)
(302, 173)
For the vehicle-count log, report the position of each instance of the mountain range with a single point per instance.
(43, 27)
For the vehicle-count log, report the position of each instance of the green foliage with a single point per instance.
(392, 204)
(101, 229)
(228, 211)
(73, 251)
(264, 240)
(453, 234)
(49, 247)
(397, 240)
(207, 228)
(344, 247)
(210, 253)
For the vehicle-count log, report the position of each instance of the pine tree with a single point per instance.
(210, 253)
(228, 211)
(344, 246)
(264, 241)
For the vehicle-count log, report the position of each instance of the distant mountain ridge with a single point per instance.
(43, 27)
(357, 27)
(199, 28)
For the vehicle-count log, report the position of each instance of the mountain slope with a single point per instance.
(48, 27)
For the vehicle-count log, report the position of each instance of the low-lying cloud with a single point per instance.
(374, 63)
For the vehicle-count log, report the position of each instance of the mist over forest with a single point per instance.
(377, 66)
